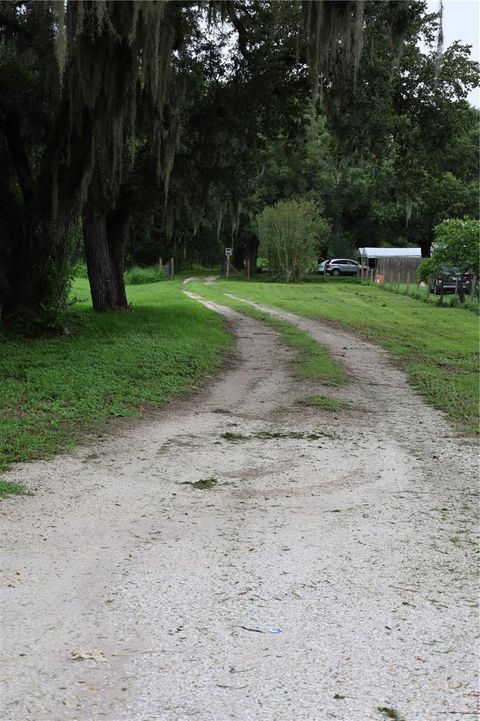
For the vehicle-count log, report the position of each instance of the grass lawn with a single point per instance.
(53, 390)
(437, 347)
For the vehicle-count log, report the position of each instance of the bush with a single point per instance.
(290, 233)
(457, 243)
(139, 276)
(80, 270)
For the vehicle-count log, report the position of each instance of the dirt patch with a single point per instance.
(341, 543)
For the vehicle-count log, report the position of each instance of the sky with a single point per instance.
(461, 21)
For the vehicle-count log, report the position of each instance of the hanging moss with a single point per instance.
(119, 53)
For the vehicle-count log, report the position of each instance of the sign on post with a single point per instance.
(228, 253)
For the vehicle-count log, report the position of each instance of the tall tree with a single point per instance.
(85, 72)
(98, 74)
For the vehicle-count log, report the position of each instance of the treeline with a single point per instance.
(134, 130)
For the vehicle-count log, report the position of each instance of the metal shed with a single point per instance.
(391, 265)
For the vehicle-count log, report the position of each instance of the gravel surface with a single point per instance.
(327, 571)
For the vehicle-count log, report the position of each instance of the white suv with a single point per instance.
(339, 266)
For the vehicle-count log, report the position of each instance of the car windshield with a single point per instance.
(449, 270)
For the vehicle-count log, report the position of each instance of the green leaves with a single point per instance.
(290, 233)
(458, 243)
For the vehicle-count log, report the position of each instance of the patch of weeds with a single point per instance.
(273, 435)
(8, 488)
(390, 713)
(234, 437)
(324, 402)
(90, 457)
(202, 484)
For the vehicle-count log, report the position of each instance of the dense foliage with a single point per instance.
(457, 242)
(289, 234)
(147, 129)
(457, 245)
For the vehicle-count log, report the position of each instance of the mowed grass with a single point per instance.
(54, 390)
(437, 347)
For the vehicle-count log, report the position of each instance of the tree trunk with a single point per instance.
(37, 270)
(118, 226)
(105, 234)
(38, 247)
(426, 242)
(250, 252)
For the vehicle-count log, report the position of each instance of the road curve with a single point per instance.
(323, 568)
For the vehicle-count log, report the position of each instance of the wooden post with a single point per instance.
(408, 282)
(172, 267)
(472, 287)
(228, 267)
(249, 268)
(160, 265)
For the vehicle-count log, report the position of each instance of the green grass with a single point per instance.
(313, 360)
(53, 390)
(437, 347)
(325, 403)
(140, 276)
(449, 300)
(8, 488)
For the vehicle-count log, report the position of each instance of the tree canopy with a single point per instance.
(170, 125)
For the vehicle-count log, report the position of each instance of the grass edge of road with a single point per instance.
(58, 392)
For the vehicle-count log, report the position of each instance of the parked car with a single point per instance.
(447, 278)
(339, 266)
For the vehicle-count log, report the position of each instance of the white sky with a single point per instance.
(461, 21)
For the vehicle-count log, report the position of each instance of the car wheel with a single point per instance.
(335, 272)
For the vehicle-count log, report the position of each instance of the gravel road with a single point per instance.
(322, 567)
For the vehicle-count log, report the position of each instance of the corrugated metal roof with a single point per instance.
(389, 253)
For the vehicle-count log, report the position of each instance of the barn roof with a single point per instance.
(389, 253)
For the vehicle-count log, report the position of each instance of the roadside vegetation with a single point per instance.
(424, 296)
(8, 488)
(54, 390)
(437, 347)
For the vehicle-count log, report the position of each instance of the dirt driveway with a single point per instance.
(245, 556)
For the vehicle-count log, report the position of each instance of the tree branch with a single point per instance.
(16, 27)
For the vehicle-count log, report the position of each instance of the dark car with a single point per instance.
(339, 266)
(446, 281)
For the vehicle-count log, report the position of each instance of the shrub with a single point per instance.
(290, 233)
(80, 270)
(139, 276)
(457, 243)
